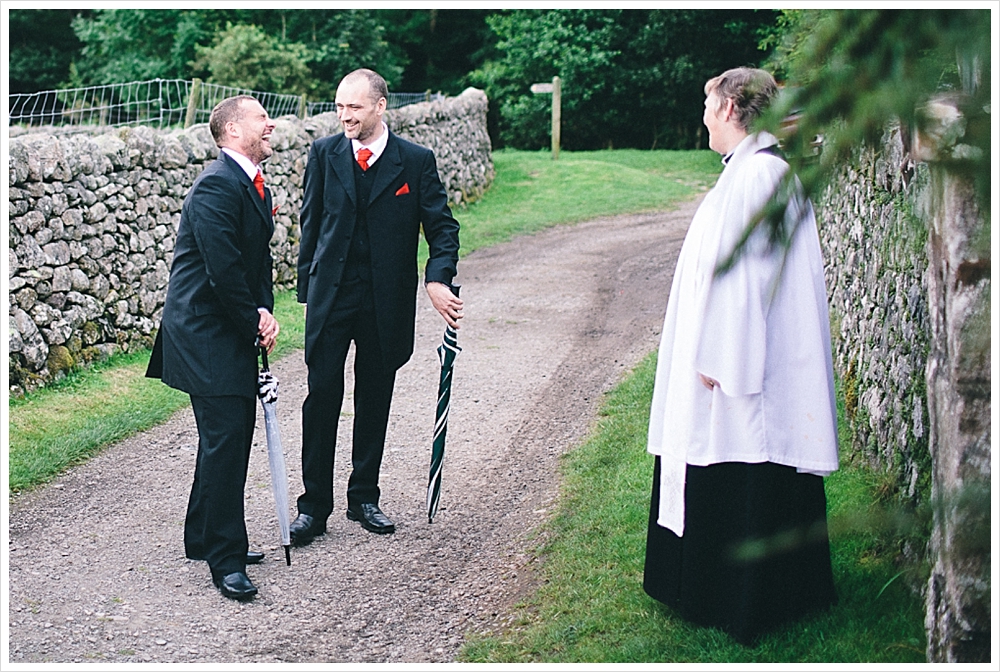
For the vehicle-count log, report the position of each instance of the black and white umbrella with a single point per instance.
(447, 352)
(267, 390)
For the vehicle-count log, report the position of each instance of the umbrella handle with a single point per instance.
(454, 287)
(263, 356)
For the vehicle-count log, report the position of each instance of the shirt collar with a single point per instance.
(246, 164)
(376, 147)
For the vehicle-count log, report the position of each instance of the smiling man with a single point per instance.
(367, 193)
(218, 305)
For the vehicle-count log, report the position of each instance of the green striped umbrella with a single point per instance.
(447, 352)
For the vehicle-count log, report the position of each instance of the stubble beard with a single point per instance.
(258, 151)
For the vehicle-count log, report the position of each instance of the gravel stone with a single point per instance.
(97, 571)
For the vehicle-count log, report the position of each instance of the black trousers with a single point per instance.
(755, 552)
(215, 527)
(352, 319)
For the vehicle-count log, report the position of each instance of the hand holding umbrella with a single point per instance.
(447, 352)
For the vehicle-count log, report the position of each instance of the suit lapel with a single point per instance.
(390, 169)
(342, 162)
(261, 204)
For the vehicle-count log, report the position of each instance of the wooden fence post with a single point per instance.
(193, 101)
(556, 116)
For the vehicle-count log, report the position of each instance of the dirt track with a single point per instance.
(97, 569)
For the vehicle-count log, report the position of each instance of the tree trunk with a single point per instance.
(958, 619)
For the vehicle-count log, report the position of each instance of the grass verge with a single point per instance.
(56, 427)
(60, 425)
(590, 605)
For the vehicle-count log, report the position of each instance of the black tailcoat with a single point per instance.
(220, 276)
(407, 193)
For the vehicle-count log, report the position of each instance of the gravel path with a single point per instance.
(97, 570)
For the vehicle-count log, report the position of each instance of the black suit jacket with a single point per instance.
(406, 194)
(221, 274)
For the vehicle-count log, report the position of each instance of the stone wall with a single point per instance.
(907, 248)
(94, 215)
(876, 261)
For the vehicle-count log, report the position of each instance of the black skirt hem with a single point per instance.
(755, 553)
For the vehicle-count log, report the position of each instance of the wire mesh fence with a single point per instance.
(161, 103)
(158, 102)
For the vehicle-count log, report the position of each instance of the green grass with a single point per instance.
(590, 605)
(57, 427)
(531, 191)
(60, 425)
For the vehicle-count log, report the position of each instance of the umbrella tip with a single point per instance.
(288, 556)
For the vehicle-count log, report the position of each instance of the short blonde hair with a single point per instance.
(750, 89)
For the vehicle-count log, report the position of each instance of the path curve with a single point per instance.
(97, 569)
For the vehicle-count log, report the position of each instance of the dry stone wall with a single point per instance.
(876, 262)
(94, 215)
(908, 256)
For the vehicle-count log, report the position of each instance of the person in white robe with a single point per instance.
(743, 396)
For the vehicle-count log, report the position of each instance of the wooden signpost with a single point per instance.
(555, 88)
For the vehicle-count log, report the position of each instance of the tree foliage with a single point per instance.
(121, 45)
(337, 42)
(41, 47)
(630, 78)
(244, 56)
(124, 45)
(850, 73)
(441, 45)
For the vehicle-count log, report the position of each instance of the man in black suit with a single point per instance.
(366, 194)
(218, 306)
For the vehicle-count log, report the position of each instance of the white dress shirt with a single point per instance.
(246, 164)
(376, 148)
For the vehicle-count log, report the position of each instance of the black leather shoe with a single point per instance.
(305, 528)
(371, 518)
(236, 586)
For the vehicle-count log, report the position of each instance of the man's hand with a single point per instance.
(267, 329)
(446, 303)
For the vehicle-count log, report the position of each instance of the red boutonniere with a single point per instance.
(405, 189)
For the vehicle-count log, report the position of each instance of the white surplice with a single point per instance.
(762, 330)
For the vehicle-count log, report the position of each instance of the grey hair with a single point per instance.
(230, 109)
(750, 89)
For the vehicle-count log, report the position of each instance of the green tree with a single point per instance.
(244, 56)
(852, 72)
(340, 41)
(630, 78)
(42, 45)
(441, 45)
(123, 45)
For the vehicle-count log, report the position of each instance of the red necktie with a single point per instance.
(363, 155)
(258, 181)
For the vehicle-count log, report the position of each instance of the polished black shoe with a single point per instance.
(236, 586)
(305, 528)
(371, 518)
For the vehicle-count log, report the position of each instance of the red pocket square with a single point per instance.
(274, 210)
(405, 189)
